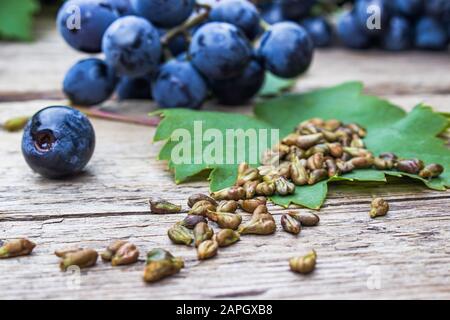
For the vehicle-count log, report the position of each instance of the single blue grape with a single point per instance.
(372, 16)
(286, 49)
(122, 7)
(179, 85)
(241, 13)
(134, 88)
(431, 34)
(220, 50)
(132, 46)
(399, 35)
(82, 23)
(89, 82)
(58, 141)
(350, 34)
(164, 13)
(238, 90)
(296, 9)
(320, 31)
(407, 8)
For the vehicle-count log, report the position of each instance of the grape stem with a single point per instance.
(264, 25)
(183, 29)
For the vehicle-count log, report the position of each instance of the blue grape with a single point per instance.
(82, 23)
(320, 31)
(439, 9)
(296, 9)
(286, 49)
(177, 44)
(272, 14)
(134, 88)
(122, 7)
(179, 85)
(89, 82)
(364, 16)
(431, 34)
(164, 13)
(399, 35)
(132, 46)
(241, 13)
(238, 90)
(408, 8)
(58, 141)
(448, 29)
(350, 34)
(220, 50)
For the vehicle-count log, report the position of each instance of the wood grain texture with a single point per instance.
(403, 255)
(407, 251)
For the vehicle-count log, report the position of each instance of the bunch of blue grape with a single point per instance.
(402, 25)
(394, 25)
(178, 52)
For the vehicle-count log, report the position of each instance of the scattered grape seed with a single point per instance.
(305, 264)
(16, 248)
(121, 253)
(160, 206)
(379, 208)
(161, 264)
(83, 258)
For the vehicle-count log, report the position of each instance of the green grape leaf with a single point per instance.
(16, 18)
(274, 85)
(390, 129)
(189, 121)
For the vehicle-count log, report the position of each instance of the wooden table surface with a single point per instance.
(404, 255)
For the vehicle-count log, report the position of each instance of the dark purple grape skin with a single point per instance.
(350, 34)
(89, 82)
(179, 85)
(406, 8)
(220, 50)
(132, 46)
(320, 31)
(164, 13)
(272, 14)
(431, 34)
(286, 50)
(448, 30)
(399, 36)
(122, 7)
(241, 13)
(58, 141)
(134, 88)
(296, 9)
(85, 34)
(439, 9)
(363, 12)
(177, 44)
(239, 90)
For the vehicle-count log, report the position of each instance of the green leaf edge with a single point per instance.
(34, 7)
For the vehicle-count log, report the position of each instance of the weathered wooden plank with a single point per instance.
(406, 252)
(404, 255)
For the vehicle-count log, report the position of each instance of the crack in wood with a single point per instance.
(274, 209)
(240, 294)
